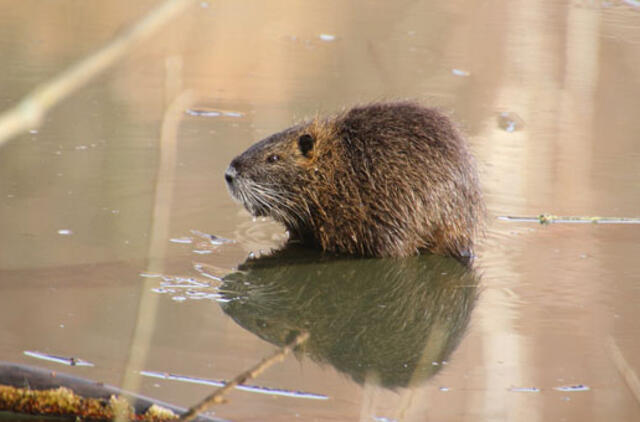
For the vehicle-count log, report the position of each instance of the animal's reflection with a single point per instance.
(390, 321)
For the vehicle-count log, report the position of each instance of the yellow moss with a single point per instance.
(159, 413)
(63, 401)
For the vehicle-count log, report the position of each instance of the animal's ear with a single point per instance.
(305, 143)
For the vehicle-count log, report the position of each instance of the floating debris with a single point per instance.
(212, 112)
(148, 275)
(185, 240)
(213, 239)
(65, 232)
(460, 72)
(510, 121)
(202, 251)
(203, 113)
(524, 389)
(243, 387)
(549, 218)
(570, 388)
(161, 290)
(69, 361)
(327, 37)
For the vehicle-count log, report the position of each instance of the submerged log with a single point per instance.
(31, 390)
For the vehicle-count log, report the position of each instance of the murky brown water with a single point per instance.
(99, 200)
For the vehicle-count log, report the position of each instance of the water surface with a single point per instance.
(103, 217)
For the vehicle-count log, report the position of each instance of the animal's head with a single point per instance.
(277, 176)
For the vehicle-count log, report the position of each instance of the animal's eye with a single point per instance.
(305, 143)
(273, 158)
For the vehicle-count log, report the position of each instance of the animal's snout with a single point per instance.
(231, 174)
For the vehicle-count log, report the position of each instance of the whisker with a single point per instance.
(268, 199)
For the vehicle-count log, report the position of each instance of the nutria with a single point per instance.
(384, 179)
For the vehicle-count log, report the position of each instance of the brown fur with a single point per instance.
(385, 179)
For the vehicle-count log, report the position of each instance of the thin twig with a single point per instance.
(218, 396)
(29, 112)
(548, 219)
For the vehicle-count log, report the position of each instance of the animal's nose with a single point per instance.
(230, 174)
